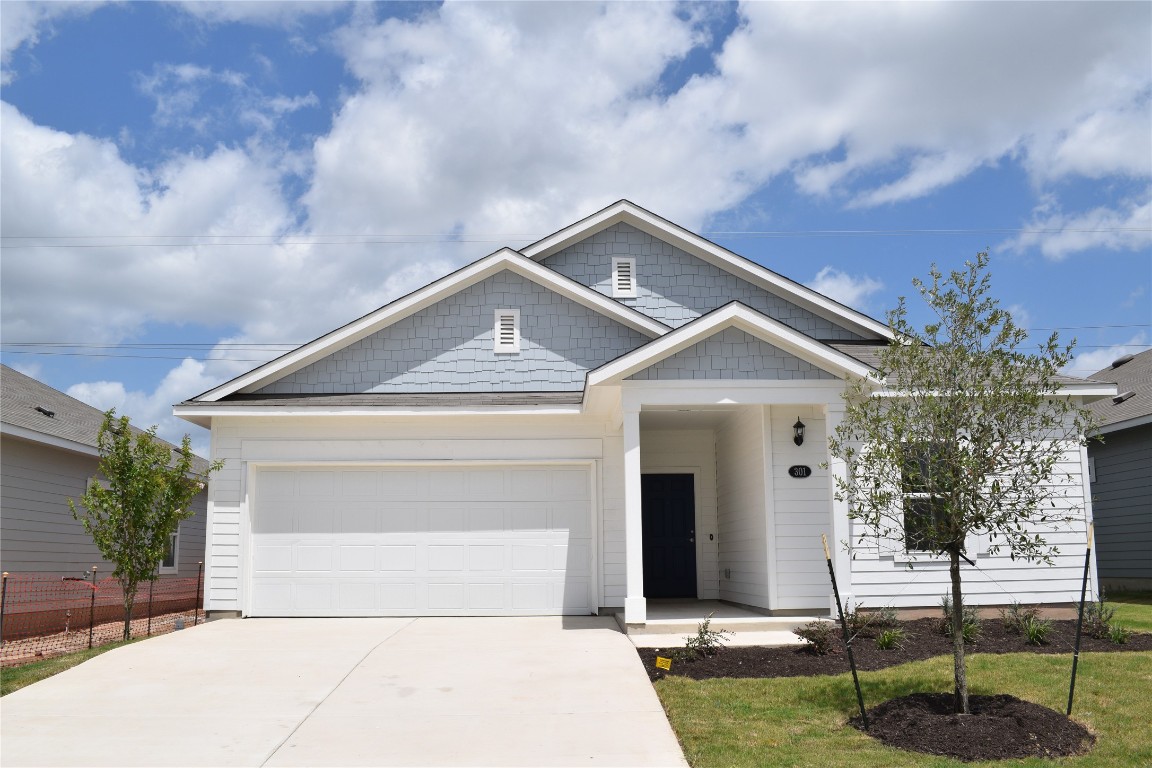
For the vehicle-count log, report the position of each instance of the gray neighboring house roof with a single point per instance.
(1133, 400)
(71, 420)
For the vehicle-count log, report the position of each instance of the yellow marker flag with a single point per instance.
(663, 663)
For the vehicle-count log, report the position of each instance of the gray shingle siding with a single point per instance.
(732, 354)
(675, 287)
(1122, 506)
(447, 347)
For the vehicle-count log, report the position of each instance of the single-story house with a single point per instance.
(608, 416)
(48, 454)
(1121, 472)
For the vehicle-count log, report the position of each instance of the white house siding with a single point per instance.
(37, 531)
(286, 441)
(801, 509)
(742, 509)
(881, 576)
(674, 286)
(690, 452)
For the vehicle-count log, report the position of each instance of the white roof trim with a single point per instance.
(505, 258)
(40, 437)
(1135, 421)
(734, 315)
(646, 221)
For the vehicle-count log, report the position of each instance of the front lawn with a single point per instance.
(15, 678)
(1133, 609)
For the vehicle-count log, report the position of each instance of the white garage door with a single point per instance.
(420, 541)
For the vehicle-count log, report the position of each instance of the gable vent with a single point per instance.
(507, 331)
(623, 278)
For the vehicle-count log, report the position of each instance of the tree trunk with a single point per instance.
(129, 600)
(959, 671)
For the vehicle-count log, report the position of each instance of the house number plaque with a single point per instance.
(799, 470)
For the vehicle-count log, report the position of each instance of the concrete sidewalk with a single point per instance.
(351, 692)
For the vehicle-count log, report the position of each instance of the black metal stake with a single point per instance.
(151, 586)
(844, 629)
(92, 607)
(1080, 619)
(199, 579)
(3, 599)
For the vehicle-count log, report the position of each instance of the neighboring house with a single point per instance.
(604, 417)
(47, 456)
(1122, 474)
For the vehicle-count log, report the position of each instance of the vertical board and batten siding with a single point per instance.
(741, 509)
(802, 509)
(37, 531)
(881, 575)
(674, 286)
(449, 347)
(1122, 507)
(336, 441)
(690, 451)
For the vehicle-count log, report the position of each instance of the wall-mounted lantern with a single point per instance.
(798, 428)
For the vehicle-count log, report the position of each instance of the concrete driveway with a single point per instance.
(351, 692)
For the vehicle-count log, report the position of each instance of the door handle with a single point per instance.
(692, 540)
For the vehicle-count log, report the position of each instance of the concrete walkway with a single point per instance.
(350, 692)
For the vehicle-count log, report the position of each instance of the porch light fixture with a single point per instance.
(798, 428)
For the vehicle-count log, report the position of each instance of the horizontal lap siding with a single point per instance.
(1122, 505)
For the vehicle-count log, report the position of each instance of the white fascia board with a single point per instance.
(646, 221)
(505, 258)
(39, 437)
(1137, 421)
(189, 413)
(737, 316)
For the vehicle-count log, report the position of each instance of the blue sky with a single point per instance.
(188, 187)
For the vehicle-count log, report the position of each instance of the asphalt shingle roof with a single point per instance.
(1132, 376)
(21, 395)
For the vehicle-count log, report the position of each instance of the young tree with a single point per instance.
(966, 437)
(134, 505)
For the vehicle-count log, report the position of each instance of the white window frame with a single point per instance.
(499, 345)
(630, 291)
(174, 539)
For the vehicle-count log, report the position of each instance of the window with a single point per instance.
(171, 560)
(506, 334)
(924, 513)
(623, 278)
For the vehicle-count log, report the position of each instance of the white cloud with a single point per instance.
(1059, 235)
(23, 23)
(847, 289)
(1088, 363)
(271, 13)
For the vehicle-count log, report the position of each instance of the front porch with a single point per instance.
(671, 621)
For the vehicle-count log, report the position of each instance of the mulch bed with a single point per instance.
(924, 641)
(999, 728)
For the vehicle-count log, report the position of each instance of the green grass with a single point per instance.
(15, 678)
(1133, 609)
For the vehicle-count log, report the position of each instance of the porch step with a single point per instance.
(734, 624)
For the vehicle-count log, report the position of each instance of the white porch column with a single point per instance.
(635, 607)
(841, 532)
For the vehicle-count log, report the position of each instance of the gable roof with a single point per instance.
(1133, 375)
(646, 221)
(504, 259)
(72, 425)
(731, 315)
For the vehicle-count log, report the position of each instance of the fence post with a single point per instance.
(92, 607)
(199, 579)
(3, 599)
(151, 586)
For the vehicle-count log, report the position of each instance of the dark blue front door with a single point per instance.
(668, 510)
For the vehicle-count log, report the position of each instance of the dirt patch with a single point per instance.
(999, 728)
(923, 641)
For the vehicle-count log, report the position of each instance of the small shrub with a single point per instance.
(970, 623)
(1016, 617)
(1098, 618)
(1035, 630)
(889, 639)
(706, 641)
(820, 635)
(1118, 634)
(871, 623)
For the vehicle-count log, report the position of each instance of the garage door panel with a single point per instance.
(424, 541)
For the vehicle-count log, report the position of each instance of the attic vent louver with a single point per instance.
(506, 333)
(46, 412)
(1122, 397)
(1121, 360)
(623, 278)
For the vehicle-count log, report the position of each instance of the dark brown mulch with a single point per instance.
(999, 728)
(923, 641)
